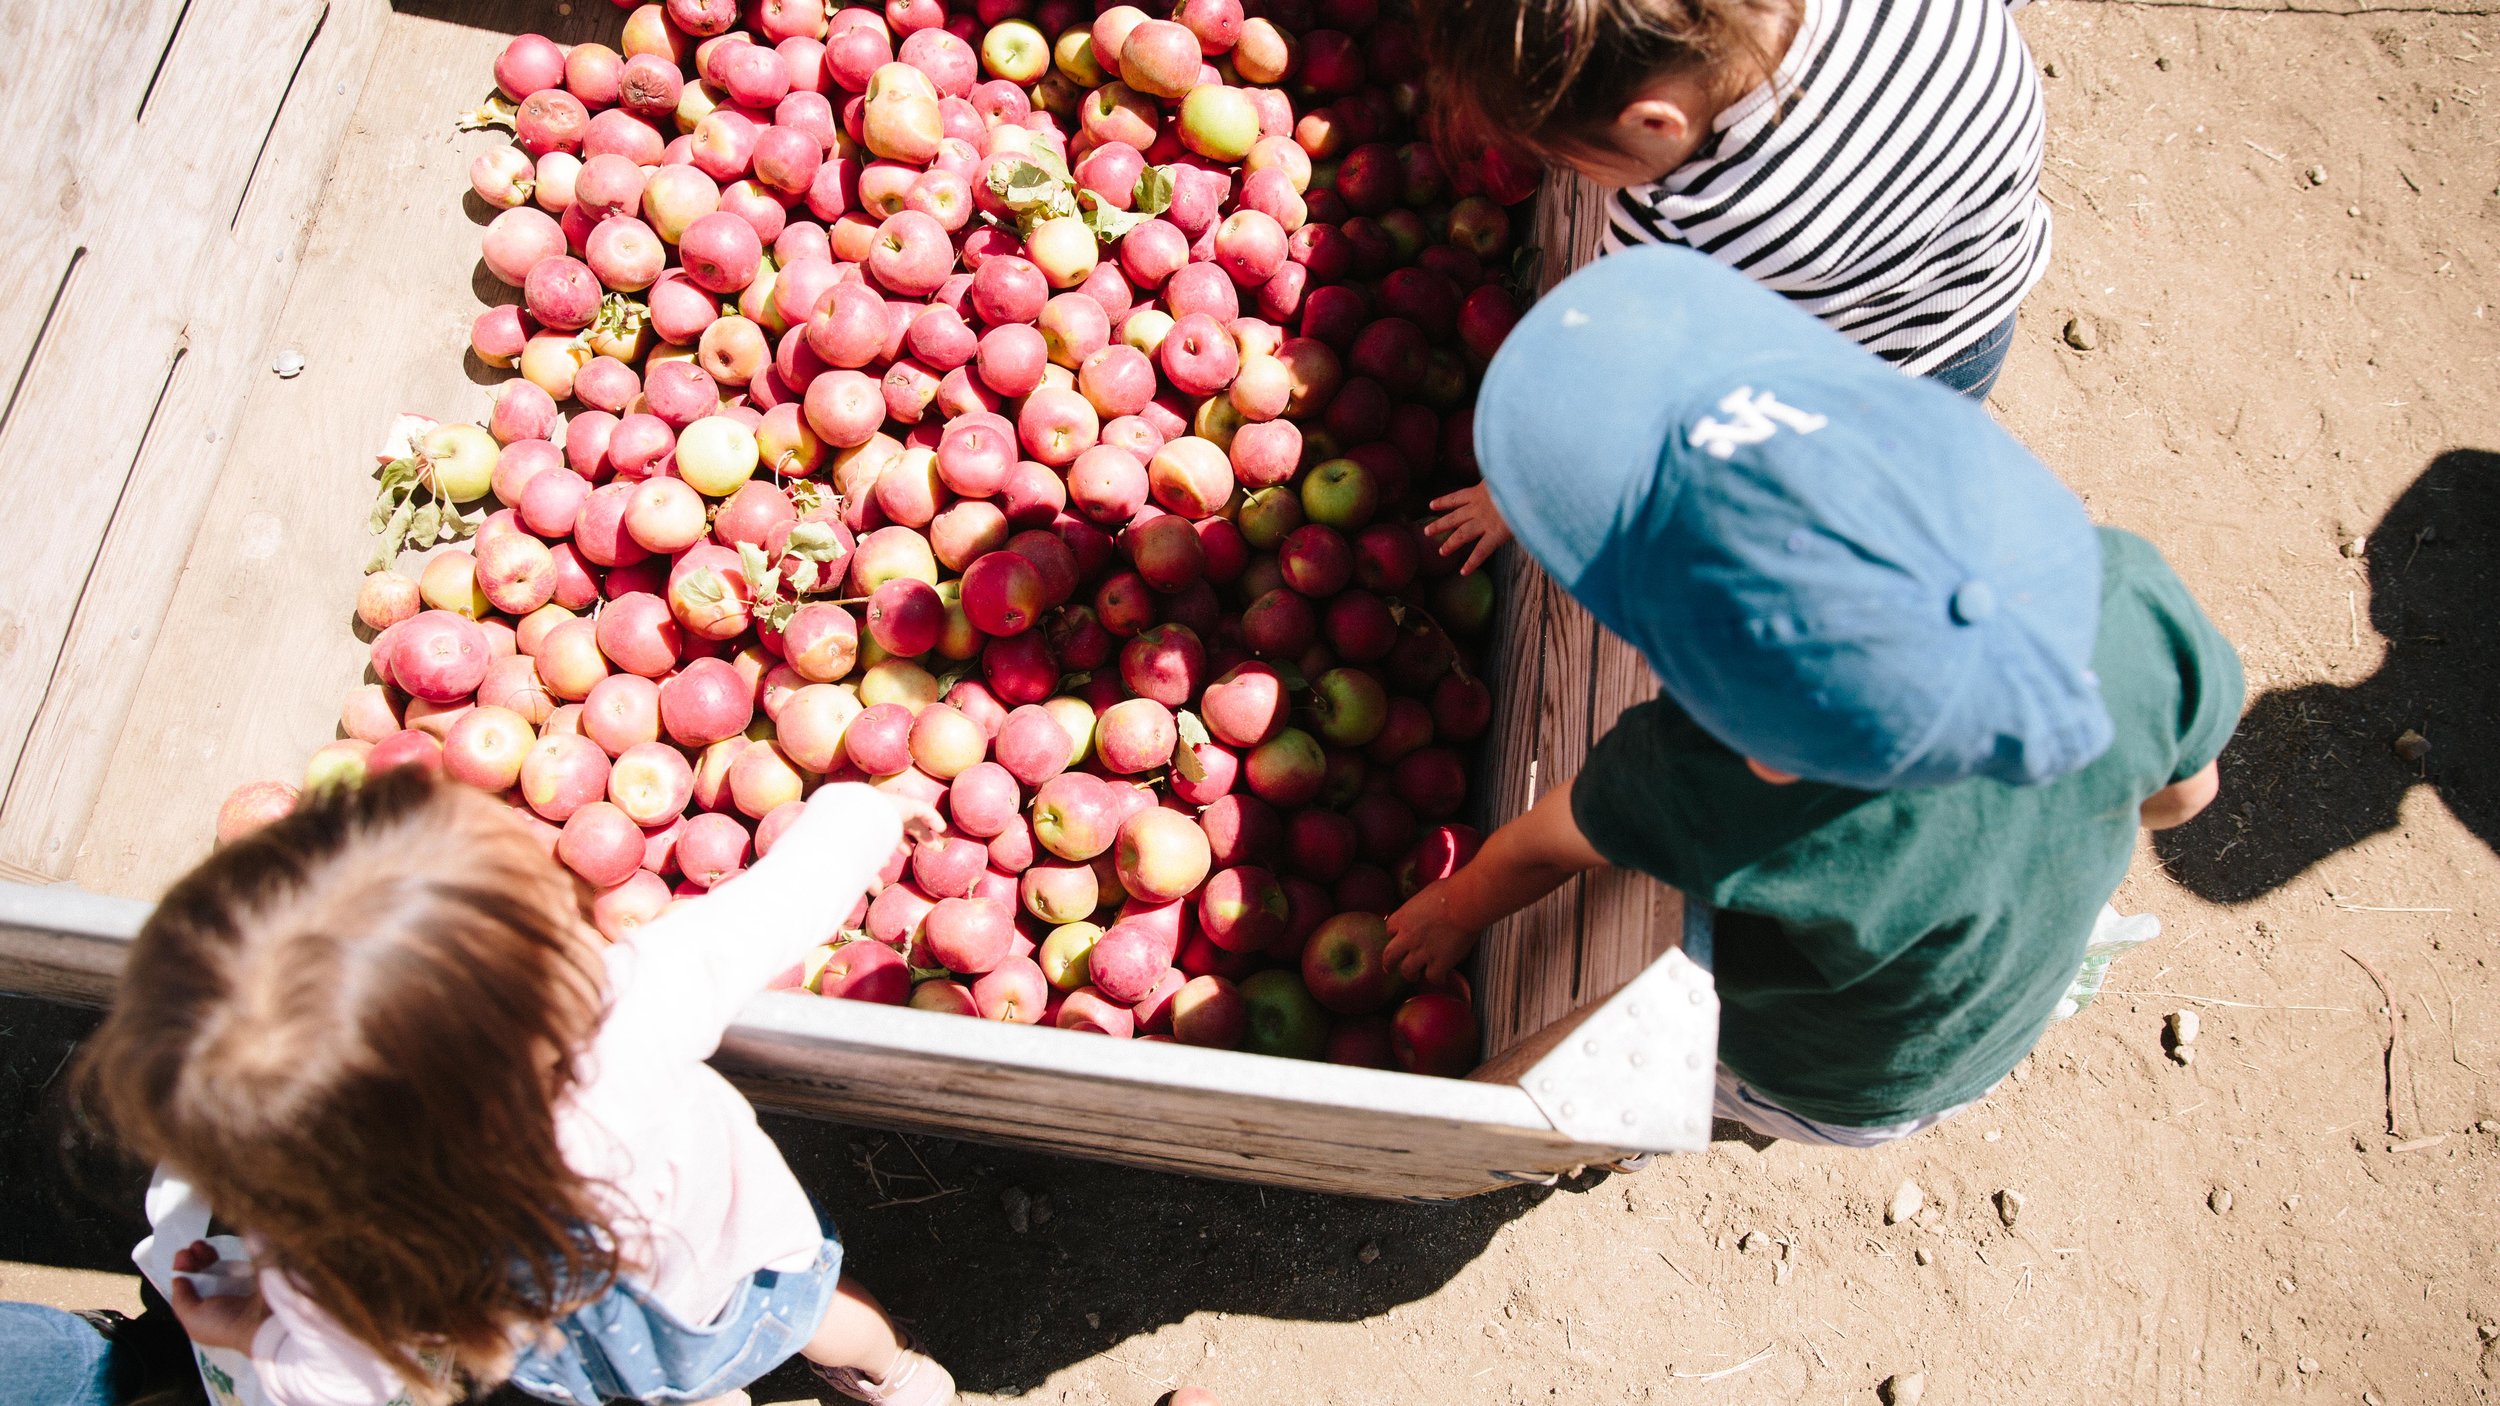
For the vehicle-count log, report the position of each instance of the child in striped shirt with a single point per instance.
(1875, 161)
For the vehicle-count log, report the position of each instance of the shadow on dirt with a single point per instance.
(2316, 769)
(1012, 1265)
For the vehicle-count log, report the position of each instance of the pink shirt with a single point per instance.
(702, 1198)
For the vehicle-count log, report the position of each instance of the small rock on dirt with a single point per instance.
(1018, 1203)
(2487, 1126)
(2081, 334)
(2308, 1366)
(2010, 1206)
(2049, 69)
(2487, 1331)
(1923, 1255)
(2183, 1026)
(2316, 175)
(289, 365)
(1753, 1241)
(1369, 1252)
(2162, 62)
(2357, 547)
(1902, 1389)
(2219, 1200)
(2412, 746)
(1905, 1203)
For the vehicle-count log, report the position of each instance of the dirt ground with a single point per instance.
(2278, 233)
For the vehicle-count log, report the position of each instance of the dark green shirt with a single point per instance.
(1882, 956)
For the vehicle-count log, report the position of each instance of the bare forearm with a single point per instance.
(1521, 862)
(2182, 801)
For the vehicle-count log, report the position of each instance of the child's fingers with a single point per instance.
(196, 1256)
(1485, 547)
(1458, 499)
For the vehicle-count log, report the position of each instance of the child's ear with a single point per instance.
(1654, 125)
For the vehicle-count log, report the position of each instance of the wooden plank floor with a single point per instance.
(158, 205)
(260, 643)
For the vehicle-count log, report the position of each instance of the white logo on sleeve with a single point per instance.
(1755, 417)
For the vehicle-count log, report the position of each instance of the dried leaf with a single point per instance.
(777, 615)
(398, 473)
(494, 112)
(809, 498)
(427, 522)
(802, 577)
(947, 681)
(394, 531)
(1070, 683)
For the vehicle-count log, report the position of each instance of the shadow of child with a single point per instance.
(2319, 768)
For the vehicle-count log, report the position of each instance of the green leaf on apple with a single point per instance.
(802, 577)
(1076, 680)
(816, 541)
(1153, 194)
(777, 615)
(808, 496)
(762, 580)
(1193, 735)
(1193, 732)
(619, 316)
(706, 587)
(952, 677)
(426, 522)
(1291, 676)
(1108, 224)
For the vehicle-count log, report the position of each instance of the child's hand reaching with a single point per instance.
(1425, 942)
(226, 1320)
(921, 821)
(1468, 516)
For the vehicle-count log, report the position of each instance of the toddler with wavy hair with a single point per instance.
(469, 1141)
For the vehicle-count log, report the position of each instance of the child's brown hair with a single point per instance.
(1550, 75)
(351, 1031)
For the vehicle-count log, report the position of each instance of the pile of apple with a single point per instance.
(1025, 410)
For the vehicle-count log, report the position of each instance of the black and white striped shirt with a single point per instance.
(1887, 179)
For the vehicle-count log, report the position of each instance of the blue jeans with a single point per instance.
(1973, 370)
(51, 1358)
(624, 1346)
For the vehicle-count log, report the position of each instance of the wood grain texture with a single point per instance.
(260, 641)
(1355, 1132)
(1361, 1132)
(1563, 681)
(190, 219)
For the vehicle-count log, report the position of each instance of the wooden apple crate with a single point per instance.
(197, 194)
